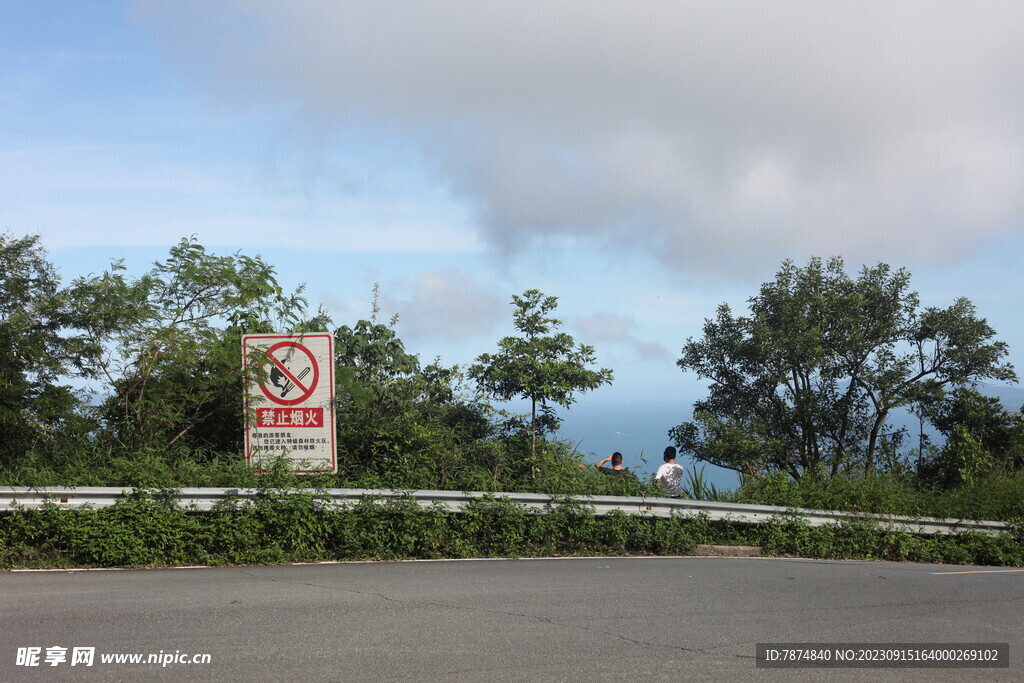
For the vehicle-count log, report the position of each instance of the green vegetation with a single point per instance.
(542, 366)
(800, 399)
(285, 527)
(148, 529)
(808, 381)
(37, 346)
(802, 390)
(164, 349)
(998, 497)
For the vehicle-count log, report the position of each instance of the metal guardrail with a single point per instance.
(15, 497)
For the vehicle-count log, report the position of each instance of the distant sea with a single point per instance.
(639, 430)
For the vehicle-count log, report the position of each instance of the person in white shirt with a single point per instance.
(670, 475)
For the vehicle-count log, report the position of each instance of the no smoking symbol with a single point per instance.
(293, 374)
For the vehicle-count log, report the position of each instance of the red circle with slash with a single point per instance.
(292, 379)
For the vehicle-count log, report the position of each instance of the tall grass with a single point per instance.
(695, 487)
(993, 497)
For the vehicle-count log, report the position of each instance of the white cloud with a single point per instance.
(618, 329)
(449, 305)
(714, 135)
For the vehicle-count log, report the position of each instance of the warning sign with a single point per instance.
(289, 404)
(292, 369)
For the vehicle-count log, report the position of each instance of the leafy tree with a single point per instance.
(170, 341)
(965, 416)
(542, 366)
(808, 380)
(963, 458)
(398, 421)
(37, 349)
(998, 430)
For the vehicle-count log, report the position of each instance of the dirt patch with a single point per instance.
(729, 550)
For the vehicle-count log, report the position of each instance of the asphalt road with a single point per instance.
(560, 619)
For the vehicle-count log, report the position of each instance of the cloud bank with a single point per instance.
(713, 135)
(619, 329)
(449, 305)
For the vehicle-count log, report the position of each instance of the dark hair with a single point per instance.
(616, 458)
(670, 453)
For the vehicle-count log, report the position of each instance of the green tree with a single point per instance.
(964, 414)
(400, 424)
(37, 349)
(808, 380)
(170, 341)
(543, 366)
(963, 458)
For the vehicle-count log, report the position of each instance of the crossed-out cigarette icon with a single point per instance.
(288, 385)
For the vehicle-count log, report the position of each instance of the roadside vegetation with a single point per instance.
(146, 529)
(802, 391)
(162, 351)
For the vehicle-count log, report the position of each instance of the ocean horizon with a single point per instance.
(638, 429)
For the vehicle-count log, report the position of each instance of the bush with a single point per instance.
(995, 496)
(147, 528)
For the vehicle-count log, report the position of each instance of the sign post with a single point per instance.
(289, 406)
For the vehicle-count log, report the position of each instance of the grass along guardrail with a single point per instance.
(160, 528)
(739, 513)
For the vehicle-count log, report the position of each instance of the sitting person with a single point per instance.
(670, 474)
(617, 468)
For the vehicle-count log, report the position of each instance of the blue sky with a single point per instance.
(643, 163)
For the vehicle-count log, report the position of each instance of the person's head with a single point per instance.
(670, 453)
(616, 459)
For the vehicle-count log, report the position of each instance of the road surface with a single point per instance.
(687, 618)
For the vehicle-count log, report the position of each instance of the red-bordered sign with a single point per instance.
(290, 371)
(289, 410)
